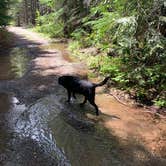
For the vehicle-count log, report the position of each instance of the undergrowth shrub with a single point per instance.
(51, 24)
(138, 61)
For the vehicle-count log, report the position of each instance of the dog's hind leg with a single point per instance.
(96, 107)
(92, 102)
(85, 100)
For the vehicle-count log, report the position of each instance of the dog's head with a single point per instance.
(61, 80)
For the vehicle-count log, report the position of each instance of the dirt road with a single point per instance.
(139, 138)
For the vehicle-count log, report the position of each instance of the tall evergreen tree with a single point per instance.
(3, 12)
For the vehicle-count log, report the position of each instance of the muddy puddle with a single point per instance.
(15, 64)
(59, 46)
(48, 132)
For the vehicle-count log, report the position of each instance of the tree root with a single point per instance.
(151, 112)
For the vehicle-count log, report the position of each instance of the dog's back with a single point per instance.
(75, 84)
(68, 81)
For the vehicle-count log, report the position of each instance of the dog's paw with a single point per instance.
(67, 101)
(98, 113)
(72, 100)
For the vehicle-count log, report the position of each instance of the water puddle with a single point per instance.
(83, 147)
(62, 47)
(48, 130)
(15, 64)
(64, 135)
(50, 127)
(24, 131)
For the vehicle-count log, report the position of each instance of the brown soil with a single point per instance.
(125, 122)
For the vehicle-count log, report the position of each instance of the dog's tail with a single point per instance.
(102, 83)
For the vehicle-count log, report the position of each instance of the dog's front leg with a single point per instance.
(69, 95)
(74, 96)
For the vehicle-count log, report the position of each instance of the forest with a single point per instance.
(129, 37)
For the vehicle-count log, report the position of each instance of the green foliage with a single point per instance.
(74, 46)
(51, 24)
(4, 18)
(161, 102)
(130, 29)
(103, 29)
(47, 2)
(113, 67)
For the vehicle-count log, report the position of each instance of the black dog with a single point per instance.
(74, 85)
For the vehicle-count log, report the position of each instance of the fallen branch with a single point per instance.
(118, 99)
(156, 113)
(151, 112)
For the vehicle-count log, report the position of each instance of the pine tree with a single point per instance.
(4, 18)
